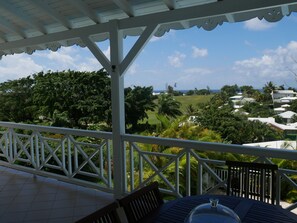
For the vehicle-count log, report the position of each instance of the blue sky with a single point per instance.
(247, 53)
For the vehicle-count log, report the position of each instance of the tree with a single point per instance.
(170, 89)
(229, 90)
(258, 110)
(267, 89)
(191, 110)
(294, 106)
(167, 105)
(234, 128)
(138, 101)
(202, 91)
(16, 100)
(79, 97)
(248, 90)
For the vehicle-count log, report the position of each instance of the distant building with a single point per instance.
(287, 116)
(283, 96)
(289, 131)
(239, 100)
(280, 144)
(279, 110)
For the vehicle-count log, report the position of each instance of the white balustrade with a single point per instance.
(76, 156)
(85, 158)
(190, 169)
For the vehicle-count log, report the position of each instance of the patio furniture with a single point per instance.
(252, 180)
(142, 205)
(107, 214)
(248, 210)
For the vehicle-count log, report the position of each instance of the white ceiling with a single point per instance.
(29, 25)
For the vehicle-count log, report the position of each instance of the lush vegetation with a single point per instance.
(83, 100)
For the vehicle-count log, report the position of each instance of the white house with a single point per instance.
(239, 100)
(287, 116)
(289, 130)
(283, 96)
(280, 144)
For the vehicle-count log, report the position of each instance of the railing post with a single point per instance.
(37, 150)
(200, 180)
(69, 155)
(188, 172)
(10, 154)
(278, 187)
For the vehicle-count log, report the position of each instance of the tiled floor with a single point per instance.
(25, 198)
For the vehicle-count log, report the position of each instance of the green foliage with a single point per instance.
(229, 90)
(258, 110)
(190, 110)
(248, 91)
(16, 100)
(168, 106)
(138, 101)
(267, 89)
(72, 98)
(294, 106)
(181, 129)
(233, 127)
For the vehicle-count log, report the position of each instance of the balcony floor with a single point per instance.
(25, 198)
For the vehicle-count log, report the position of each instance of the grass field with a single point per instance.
(185, 101)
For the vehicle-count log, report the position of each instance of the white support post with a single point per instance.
(118, 109)
(116, 67)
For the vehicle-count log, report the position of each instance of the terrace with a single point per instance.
(63, 174)
(112, 163)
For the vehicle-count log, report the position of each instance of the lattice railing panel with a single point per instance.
(185, 168)
(83, 157)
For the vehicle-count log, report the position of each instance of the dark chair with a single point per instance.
(142, 205)
(107, 214)
(252, 180)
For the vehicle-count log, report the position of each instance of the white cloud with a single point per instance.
(155, 39)
(107, 52)
(258, 25)
(132, 69)
(17, 66)
(274, 65)
(197, 52)
(71, 58)
(198, 71)
(176, 60)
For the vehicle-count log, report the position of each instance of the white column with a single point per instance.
(118, 109)
(116, 67)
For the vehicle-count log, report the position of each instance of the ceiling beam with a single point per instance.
(12, 28)
(203, 11)
(42, 5)
(195, 12)
(125, 6)
(84, 9)
(22, 17)
(171, 4)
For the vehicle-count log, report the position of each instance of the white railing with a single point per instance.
(185, 167)
(182, 167)
(77, 156)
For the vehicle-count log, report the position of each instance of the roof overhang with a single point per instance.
(26, 26)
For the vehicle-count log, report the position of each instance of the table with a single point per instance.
(249, 211)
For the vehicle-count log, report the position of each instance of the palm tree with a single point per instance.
(168, 106)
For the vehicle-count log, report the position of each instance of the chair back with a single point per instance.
(142, 203)
(252, 180)
(107, 214)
